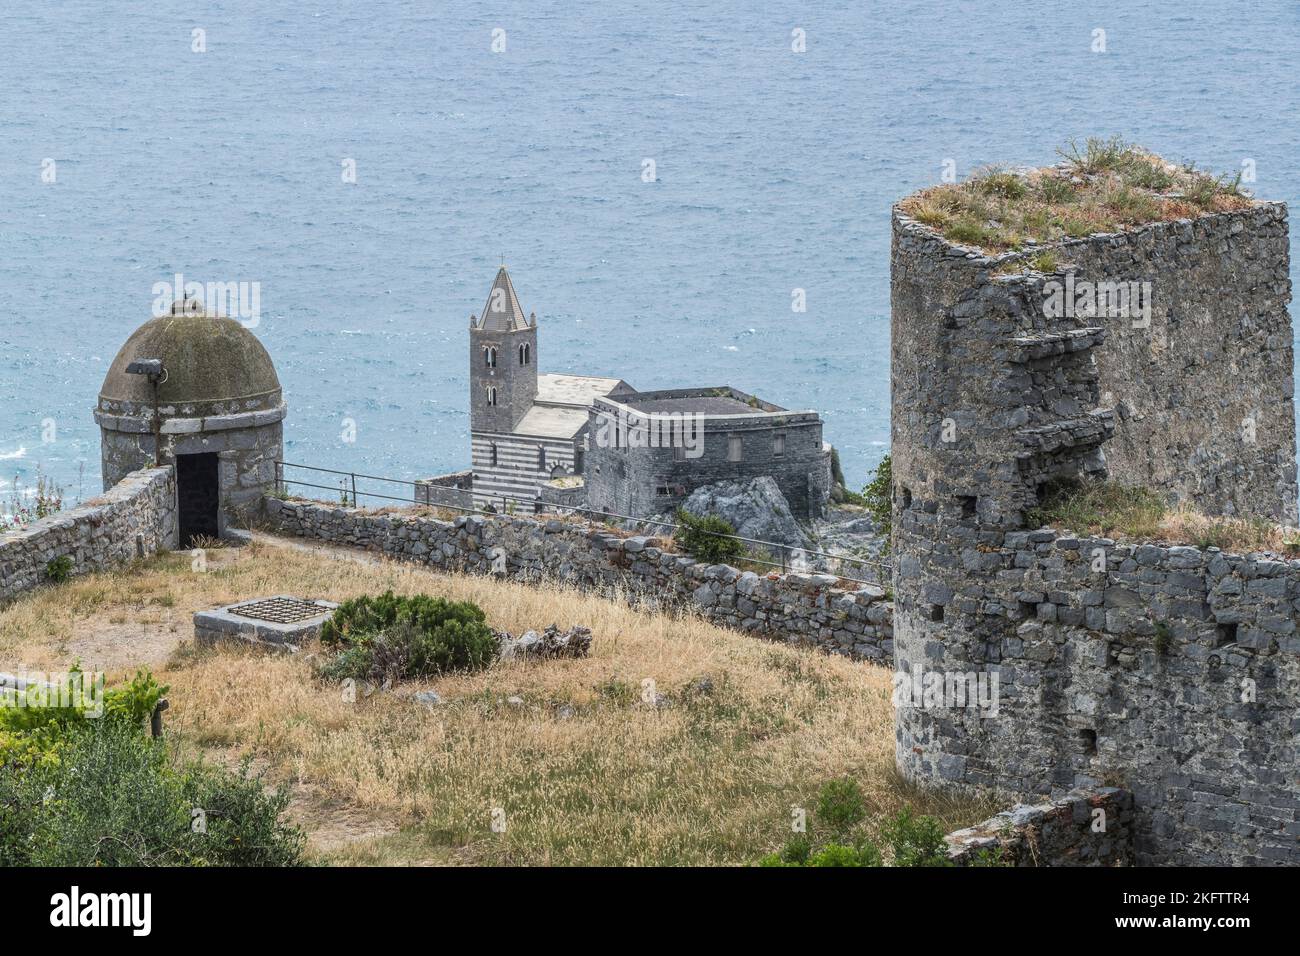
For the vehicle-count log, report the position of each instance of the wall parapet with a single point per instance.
(133, 519)
(807, 609)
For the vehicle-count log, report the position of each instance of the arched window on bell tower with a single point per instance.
(525, 353)
(492, 395)
(490, 356)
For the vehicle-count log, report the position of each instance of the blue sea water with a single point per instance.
(775, 171)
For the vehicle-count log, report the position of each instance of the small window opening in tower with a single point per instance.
(968, 505)
(525, 353)
(906, 499)
(491, 395)
(1088, 741)
(541, 457)
(936, 612)
(490, 357)
(492, 452)
(778, 445)
(1225, 634)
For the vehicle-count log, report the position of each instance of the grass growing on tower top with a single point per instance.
(1101, 185)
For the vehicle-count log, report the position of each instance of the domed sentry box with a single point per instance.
(199, 392)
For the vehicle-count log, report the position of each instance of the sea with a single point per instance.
(684, 193)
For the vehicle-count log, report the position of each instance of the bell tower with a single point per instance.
(502, 361)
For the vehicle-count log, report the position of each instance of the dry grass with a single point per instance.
(1102, 186)
(1139, 515)
(709, 779)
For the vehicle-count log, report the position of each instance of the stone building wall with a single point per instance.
(247, 444)
(647, 481)
(135, 518)
(798, 608)
(1123, 664)
(455, 490)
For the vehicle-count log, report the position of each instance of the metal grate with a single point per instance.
(280, 610)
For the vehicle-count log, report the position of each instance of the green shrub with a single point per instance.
(916, 841)
(85, 787)
(840, 805)
(837, 854)
(113, 799)
(702, 539)
(840, 811)
(393, 636)
(58, 570)
(36, 731)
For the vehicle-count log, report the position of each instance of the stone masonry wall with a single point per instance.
(646, 481)
(798, 608)
(1203, 388)
(455, 490)
(1169, 670)
(1081, 828)
(1172, 671)
(135, 518)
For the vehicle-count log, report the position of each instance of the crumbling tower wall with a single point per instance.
(1172, 670)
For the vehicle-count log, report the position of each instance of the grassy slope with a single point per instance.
(710, 779)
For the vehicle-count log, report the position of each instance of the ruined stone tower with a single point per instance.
(199, 392)
(1171, 670)
(502, 361)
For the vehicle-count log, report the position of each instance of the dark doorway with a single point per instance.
(197, 495)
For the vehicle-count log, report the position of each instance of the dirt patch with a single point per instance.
(111, 647)
(332, 824)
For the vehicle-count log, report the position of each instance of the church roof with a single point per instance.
(551, 421)
(502, 311)
(582, 390)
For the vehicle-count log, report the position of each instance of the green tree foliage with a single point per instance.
(877, 496)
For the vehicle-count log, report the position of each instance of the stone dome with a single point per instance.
(208, 359)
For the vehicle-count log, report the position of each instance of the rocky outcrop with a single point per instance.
(755, 508)
(552, 642)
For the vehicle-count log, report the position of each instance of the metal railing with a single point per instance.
(790, 558)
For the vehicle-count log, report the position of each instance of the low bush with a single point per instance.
(36, 722)
(703, 538)
(113, 799)
(58, 570)
(81, 784)
(391, 637)
(833, 837)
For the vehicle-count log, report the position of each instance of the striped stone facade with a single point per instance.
(509, 467)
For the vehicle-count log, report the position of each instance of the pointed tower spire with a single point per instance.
(503, 313)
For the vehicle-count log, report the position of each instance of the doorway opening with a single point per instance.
(197, 496)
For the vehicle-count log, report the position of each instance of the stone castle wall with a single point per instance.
(1203, 387)
(799, 608)
(137, 517)
(1115, 663)
(647, 481)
